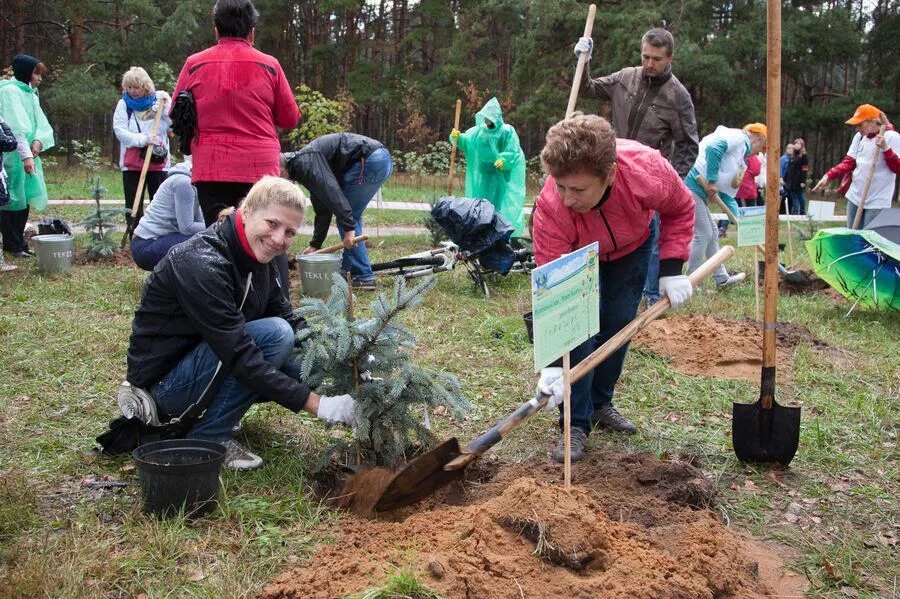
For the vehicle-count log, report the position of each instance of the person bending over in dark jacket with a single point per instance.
(343, 172)
(215, 299)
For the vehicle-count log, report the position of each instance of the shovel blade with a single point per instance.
(421, 477)
(761, 435)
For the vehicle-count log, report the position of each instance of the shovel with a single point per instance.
(447, 462)
(339, 246)
(765, 431)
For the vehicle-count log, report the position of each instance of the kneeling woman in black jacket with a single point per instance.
(217, 298)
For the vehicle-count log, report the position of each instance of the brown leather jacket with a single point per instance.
(656, 111)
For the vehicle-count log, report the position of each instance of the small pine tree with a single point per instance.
(369, 359)
(101, 224)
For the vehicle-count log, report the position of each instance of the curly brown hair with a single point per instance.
(582, 143)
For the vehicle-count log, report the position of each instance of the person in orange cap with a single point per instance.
(870, 151)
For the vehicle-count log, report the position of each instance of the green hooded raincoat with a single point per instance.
(503, 187)
(21, 109)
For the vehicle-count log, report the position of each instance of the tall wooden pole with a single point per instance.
(453, 151)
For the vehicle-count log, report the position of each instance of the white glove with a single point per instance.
(678, 288)
(585, 44)
(150, 140)
(551, 383)
(338, 409)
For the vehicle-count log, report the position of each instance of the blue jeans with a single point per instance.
(184, 383)
(621, 283)
(651, 285)
(360, 185)
(147, 252)
(797, 201)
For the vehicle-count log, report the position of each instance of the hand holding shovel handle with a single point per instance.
(582, 61)
(495, 434)
(339, 246)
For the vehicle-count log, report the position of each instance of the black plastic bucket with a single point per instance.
(529, 326)
(179, 473)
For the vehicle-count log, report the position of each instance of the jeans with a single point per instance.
(360, 184)
(147, 252)
(868, 215)
(184, 383)
(651, 285)
(797, 201)
(621, 284)
(705, 242)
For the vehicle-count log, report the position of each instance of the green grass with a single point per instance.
(64, 339)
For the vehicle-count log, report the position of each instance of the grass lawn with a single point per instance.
(64, 532)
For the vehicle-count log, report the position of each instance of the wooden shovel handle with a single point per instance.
(453, 151)
(140, 188)
(339, 246)
(494, 435)
(582, 60)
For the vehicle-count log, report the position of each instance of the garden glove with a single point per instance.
(151, 139)
(551, 383)
(678, 289)
(499, 164)
(585, 44)
(339, 409)
(454, 133)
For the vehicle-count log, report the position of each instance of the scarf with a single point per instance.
(242, 235)
(139, 104)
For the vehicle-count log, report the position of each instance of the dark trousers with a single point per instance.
(213, 196)
(621, 284)
(12, 227)
(147, 252)
(130, 180)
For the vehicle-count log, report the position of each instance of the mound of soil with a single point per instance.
(801, 282)
(722, 347)
(630, 526)
(120, 258)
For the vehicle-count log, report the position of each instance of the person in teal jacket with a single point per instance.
(495, 164)
(21, 109)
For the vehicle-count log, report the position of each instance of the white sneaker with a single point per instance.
(732, 280)
(6, 267)
(137, 403)
(238, 457)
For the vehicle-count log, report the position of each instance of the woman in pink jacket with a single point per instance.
(242, 97)
(606, 190)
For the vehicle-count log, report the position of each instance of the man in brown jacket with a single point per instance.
(649, 105)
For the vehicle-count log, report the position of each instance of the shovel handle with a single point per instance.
(494, 435)
(339, 246)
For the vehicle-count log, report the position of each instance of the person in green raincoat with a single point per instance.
(495, 168)
(21, 109)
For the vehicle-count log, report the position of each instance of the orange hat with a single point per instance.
(757, 128)
(864, 112)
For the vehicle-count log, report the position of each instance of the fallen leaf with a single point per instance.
(849, 592)
(829, 567)
(196, 575)
(750, 487)
(127, 467)
(791, 517)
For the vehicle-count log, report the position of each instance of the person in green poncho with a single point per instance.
(21, 109)
(495, 164)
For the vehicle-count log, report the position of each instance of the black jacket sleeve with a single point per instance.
(8, 141)
(207, 298)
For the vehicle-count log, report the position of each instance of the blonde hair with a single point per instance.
(582, 143)
(274, 190)
(801, 145)
(138, 77)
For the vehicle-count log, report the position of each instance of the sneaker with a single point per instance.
(578, 443)
(363, 285)
(22, 254)
(6, 267)
(731, 280)
(609, 417)
(135, 402)
(238, 457)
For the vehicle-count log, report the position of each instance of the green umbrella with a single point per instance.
(862, 265)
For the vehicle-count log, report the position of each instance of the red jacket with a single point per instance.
(241, 95)
(645, 182)
(747, 190)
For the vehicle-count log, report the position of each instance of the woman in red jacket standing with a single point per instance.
(242, 96)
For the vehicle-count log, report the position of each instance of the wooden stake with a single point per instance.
(756, 279)
(567, 420)
(453, 151)
(582, 61)
(787, 212)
